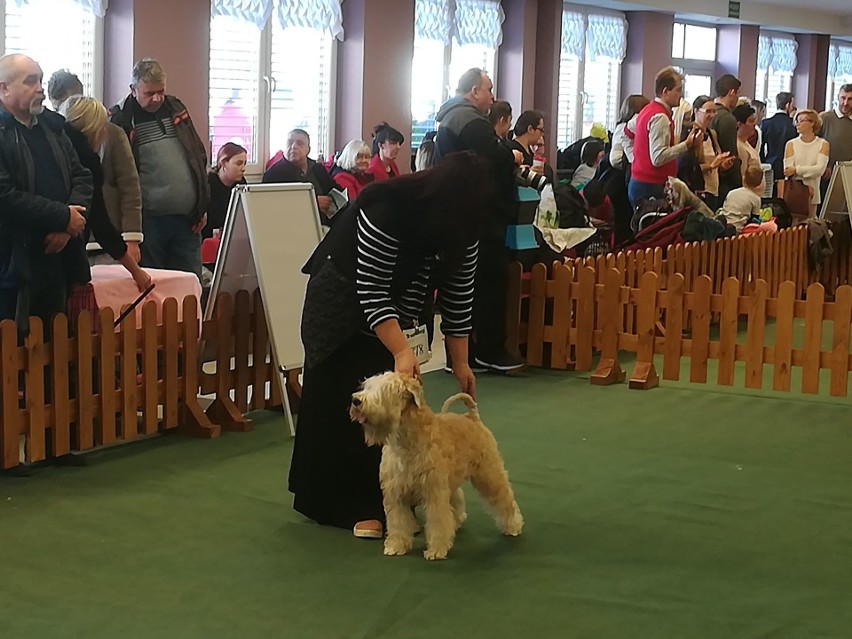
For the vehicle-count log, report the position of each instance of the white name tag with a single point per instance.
(418, 341)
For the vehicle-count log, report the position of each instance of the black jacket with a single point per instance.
(26, 218)
(196, 154)
(777, 131)
(462, 127)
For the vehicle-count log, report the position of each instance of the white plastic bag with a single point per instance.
(546, 215)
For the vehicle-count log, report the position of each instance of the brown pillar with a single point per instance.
(516, 63)
(548, 47)
(374, 71)
(737, 54)
(811, 71)
(649, 37)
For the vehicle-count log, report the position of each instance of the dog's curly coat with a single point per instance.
(425, 459)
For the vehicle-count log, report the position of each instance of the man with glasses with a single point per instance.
(777, 131)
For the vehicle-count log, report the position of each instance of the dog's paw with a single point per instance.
(433, 554)
(396, 547)
(514, 526)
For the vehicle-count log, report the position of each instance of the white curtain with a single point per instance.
(322, 15)
(784, 55)
(764, 52)
(433, 20)
(573, 33)
(844, 61)
(255, 12)
(479, 22)
(607, 36)
(97, 7)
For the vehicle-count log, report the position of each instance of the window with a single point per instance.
(449, 39)
(839, 71)
(48, 42)
(263, 81)
(776, 62)
(593, 46)
(694, 55)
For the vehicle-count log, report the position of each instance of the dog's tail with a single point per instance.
(468, 401)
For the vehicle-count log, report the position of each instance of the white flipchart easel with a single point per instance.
(270, 232)
(838, 198)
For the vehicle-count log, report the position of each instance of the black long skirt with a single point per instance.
(334, 475)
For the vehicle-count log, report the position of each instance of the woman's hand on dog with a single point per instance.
(467, 380)
(405, 363)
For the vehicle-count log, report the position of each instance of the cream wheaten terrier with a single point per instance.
(425, 459)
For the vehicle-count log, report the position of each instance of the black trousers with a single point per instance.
(489, 302)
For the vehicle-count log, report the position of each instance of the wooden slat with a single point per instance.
(728, 332)
(34, 392)
(702, 290)
(12, 422)
(813, 338)
(106, 376)
(585, 318)
(150, 403)
(260, 345)
(674, 328)
(60, 364)
(535, 332)
(224, 340)
(84, 401)
(561, 317)
(129, 422)
(840, 342)
(242, 336)
(171, 333)
(784, 318)
(755, 335)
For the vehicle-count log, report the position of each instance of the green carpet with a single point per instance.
(676, 513)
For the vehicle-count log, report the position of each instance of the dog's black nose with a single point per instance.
(356, 401)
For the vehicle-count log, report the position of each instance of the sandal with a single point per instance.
(369, 529)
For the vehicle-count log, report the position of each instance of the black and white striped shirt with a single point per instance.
(376, 255)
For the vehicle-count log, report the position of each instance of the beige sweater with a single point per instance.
(122, 196)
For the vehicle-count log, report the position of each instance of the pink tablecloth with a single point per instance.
(116, 289)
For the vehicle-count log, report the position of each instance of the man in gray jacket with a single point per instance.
(463, 125)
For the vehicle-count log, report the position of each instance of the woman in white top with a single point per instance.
(622, 144)
(746, 123)
(806, 156)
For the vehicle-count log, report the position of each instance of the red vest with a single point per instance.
(642, 168)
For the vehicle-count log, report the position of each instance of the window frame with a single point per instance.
(266, 87)
(762, 89)
(98, 55)
(694, 66)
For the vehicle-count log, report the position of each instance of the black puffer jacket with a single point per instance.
(26, 218)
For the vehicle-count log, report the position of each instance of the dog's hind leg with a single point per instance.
(492, 482)
(440, 524)
(457, 502)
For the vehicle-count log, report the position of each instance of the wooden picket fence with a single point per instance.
(579, 312)
(100, 386)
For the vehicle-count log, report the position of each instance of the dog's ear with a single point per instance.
(414, 388)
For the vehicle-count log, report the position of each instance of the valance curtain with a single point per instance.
(839, 61)
(478, 22)
(322, 15)
(777, 53)
(97, 7)
(256, 12)
(603, 34)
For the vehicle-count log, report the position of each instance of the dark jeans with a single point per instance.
(170, 243)
(637, 190)
(8, 303)
(489, 302)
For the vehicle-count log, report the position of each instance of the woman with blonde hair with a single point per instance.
(86, 126)
(351, 171)
(806, 157)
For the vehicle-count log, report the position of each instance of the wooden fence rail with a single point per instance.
(62, 392)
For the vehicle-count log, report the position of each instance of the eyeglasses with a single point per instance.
(540, 129)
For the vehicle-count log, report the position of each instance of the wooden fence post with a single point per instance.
(814, 306)
(60, 364)
(561, 334)
(644, 374)
(195, 422)
(609, 371)
(755, 335)
(840, 341)
(674, 327)
(34, 392)
(784, 320)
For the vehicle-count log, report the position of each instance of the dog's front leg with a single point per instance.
(440, 524)
(400, 521)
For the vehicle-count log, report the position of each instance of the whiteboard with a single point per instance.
(270, 232)
(838, 197)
